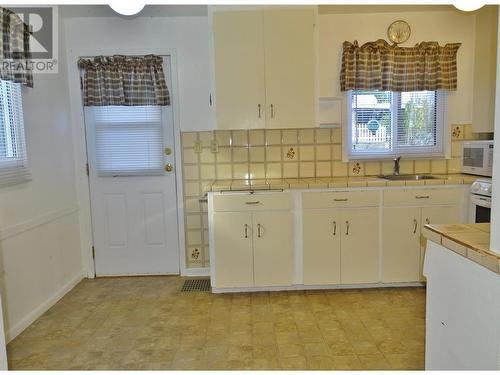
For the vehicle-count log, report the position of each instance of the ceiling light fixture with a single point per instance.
(468, 5)
(127, 7)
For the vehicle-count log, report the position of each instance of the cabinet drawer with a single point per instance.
(422, 197)
(341, 199)
(252, 202)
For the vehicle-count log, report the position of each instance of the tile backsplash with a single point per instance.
(272, 154)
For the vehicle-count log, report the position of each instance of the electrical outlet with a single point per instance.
(198, 147)
(214, 146)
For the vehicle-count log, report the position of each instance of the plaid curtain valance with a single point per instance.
(124, 80)
(15, 55)
(379, 66)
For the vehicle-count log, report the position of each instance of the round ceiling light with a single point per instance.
(127, 7)
(468, 5)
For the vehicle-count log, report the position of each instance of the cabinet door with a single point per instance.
(289, 51)
(438, 215)
(273, 248)
(233, 249)
(360, 246)
(321, 247)
(400, 244)
(239, 69)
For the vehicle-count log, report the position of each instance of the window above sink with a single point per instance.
(385, 124)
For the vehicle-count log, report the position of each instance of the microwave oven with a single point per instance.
(477, 158)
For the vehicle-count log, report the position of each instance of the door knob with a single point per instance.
(169, 167)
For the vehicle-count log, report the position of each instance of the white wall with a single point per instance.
(441, 26)
(39, 231)
(495, 204)
(189, 35)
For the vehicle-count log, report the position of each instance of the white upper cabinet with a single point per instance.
(239, 70)
(264, 68)
(485, 67)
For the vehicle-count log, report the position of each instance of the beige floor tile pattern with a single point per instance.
(147, 323)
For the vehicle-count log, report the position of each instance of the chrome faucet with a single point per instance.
(396, 166)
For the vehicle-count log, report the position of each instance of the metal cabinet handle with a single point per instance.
(422, 197)
(272, 111)
(334, 228)
(427, 221)
(253, 202)
(415, 225)
(246, 230)
(347, 228)
(340, 199)
(259, 109)
(258, 231)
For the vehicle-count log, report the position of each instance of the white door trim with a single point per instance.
(80, 146)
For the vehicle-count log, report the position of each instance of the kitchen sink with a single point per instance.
(405, 177)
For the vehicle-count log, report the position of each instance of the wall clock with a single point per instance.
(399, 31)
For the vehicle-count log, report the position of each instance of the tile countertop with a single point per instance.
(469, 240)
(333, 182)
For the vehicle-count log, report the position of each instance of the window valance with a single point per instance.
(380, 66)
(15, 55)
(124, 80)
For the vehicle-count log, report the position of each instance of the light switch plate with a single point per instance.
(198, 147)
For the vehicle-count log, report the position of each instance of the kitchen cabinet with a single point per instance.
(252, 240)
(404, 215)
(340, 244)
(264, 65)
(485, 67)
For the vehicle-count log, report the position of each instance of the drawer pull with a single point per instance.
(415, 225)
(253, 202)
(334, 228)
(246, 230)
(347, 228)
(422, 197)
(259, 234)
(340, 199)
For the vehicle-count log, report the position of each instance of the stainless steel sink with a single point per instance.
(405, 177)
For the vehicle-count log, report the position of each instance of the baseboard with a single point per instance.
(15, 330)
(191, 272)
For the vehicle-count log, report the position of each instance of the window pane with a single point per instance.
(416, 119)
(371, 121)
(13, 159)
(129, 140)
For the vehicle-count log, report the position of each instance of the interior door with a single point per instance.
(360, 245)
(133, 196)
(321, 254)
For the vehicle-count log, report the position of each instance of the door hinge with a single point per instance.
(87, 169)
(81, 83)
(93, 252)
(210, 99)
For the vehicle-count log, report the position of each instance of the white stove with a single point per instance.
(480, 201)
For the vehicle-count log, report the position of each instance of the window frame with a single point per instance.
(14, 170)
(441, 149)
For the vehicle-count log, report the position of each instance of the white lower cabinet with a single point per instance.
(403, 249)
(253, 243)
(234, 249)
(401, 244)
(341, 246)
(348, 237)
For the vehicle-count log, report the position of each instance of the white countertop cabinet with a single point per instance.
(303, 239)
